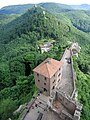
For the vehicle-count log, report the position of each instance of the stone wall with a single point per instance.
(63, 55)
(73, 107)
(42, 83)
(73, 76)
(73, 72)
(28, 106)
(76, 115)
(66, 101)
(65, 115)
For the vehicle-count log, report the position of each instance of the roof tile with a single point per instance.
(48, 67)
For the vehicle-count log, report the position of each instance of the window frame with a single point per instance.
(37, 74)
(38, 80)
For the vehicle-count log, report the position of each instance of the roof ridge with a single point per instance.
(47, 69)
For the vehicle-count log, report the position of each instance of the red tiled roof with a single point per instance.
(48, 68)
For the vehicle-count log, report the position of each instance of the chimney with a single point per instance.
(49, 61)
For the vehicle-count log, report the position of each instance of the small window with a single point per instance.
(45, 89)
(37, 74)
(54, 81)
(54, 75)
(59, 80)
(38, 80)
(44, 83)
(59, 74)
(45, 78)
(59, 68)
(53, 87)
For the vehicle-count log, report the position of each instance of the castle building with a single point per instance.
(48, 75)
(75, 48)
(45, 47)
(55, 80)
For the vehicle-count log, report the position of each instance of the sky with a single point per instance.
(16, 2)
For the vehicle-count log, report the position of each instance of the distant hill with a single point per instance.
(4, 18)
(81, 7)
(80, 19)
(17, 9)
(45, 24)
(54, 7)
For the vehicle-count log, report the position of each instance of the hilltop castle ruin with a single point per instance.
(55, 81)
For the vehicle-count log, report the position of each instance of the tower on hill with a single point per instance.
(48, 75)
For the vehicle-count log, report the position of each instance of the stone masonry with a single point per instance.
(60, 104)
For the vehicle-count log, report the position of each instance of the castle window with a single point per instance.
(59, 68)
(44, 83)
(53, 87)
(45, 78)
(59, 80)
(38, 80)
(45, 89)
(54, 81)
(37, 74)
(59, 74)
(54, 75)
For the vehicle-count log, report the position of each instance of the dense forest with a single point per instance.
(54, 7)
(19, 53)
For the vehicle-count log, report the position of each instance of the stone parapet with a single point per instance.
(73, 107)
(65, 115)
(73, 75)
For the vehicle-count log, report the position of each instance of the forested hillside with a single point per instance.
(19, 54)
(35, 20)
(4, 19)
(17, 9)
(81, 7)
(54, 7)
(80, 19)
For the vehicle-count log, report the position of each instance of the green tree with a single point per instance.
(7, 106)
